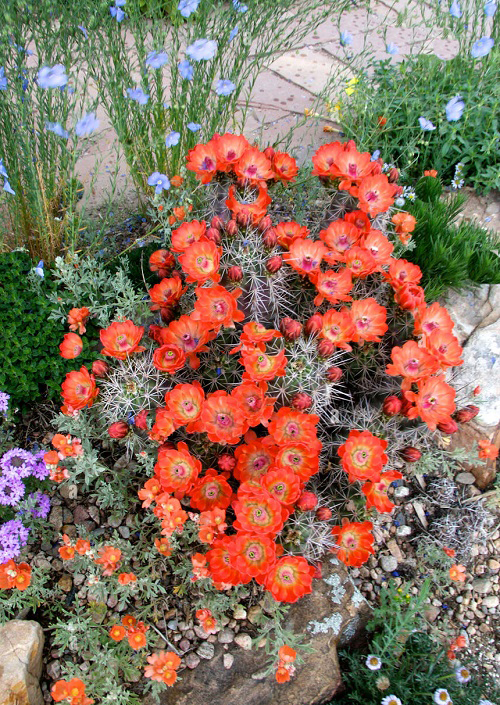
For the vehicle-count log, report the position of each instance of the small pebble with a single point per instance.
(228, 660)
(388, 563)
(244, 641)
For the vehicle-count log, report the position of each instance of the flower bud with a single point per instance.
(154, 332)
(326, 348)
(334, 374)
(217, 223)
(467, 413)
(398, 191)
(323, 514)
(314, 324)
(270, 238)
(307, 501)
(269, 152)
(393, 175)
(273, 264)
(167, 314)
(141, 419)
(244, 218)
(264, 224)
(392, 406)
(302, 401)
(410, 454)
(291, 329)
(100, 368)
(406, 406)
(213, 234)
(409, 296)
(235, 273)
(231, 228)
(226, 462)
(448, 427)
(119, 429)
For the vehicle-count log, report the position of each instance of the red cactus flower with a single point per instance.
(257, 511)
(229, 149)
(412, 362)
(121, 339)
(78, 390)
(222, 418)
(210, 492)
(410, 454)
(434, 401)
(284, 167)
(187, 234)
(253, 460)
(375, 194)
(290, 426)
(274, 264)
(445, 348)
(299, 457)
(217, 306)
(339, 237)
(177, 470)
(302, 401)
(200, 262)
(234, 274)
(288, 232)
(256, 209)
(378, 246)
(363, 456)
(376, 492)
(71, 346)
(161, 261)
(77, 318)
(290, 329)
(253, 167)
(282, 484)
(466, 414)
(185, 402)
(354, 542)
(338, 328)
(290, 578)
(334, 374)
(369, 319)
(409, 296)
(252, 555)
(257, 408)
(332, 286)
(190, 335)
(169, 358)
(261, 367)
(305, 256)
(202, 159)
(100, 368)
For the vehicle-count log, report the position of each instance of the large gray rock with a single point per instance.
(20, 663)
(332, 615)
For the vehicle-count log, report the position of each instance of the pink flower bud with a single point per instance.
(167, 314)
(269, 152)
(244, 218)
(270, 238)
(235, 273)
(393, 175)
(213, 234)
(314, 324)
(410, 454)
(291, 329)
(141, 420)
(217, 223)
(231, 228)
(264, 224)
(100, 368)
(307, 501)
(325, 348)
(119, 429)
(323, 514)
(334, 374)
(448, 427)
(226, 462)
(392, 406)
(467, 413)
(302, 401)
(273, 264)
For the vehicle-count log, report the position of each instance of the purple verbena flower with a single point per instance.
(17, 462)
(43, 502)
(13, 538)
(4, 397)
(40, 470)
(12, 490)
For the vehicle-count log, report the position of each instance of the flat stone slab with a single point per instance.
(21, 645)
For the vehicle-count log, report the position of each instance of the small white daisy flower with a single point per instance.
(463, 674)
(373, 662)
(442, 697)
(391, 700)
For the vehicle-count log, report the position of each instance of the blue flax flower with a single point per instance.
(193, 126)
(455, 10)
(187, 7)
(57, 129)
(233, 33)
(87, 125)
(455, 108)
(345, 39)
(7, 187)
(490, 8)
(156, 59)
(117, 13)
(392, 48)
(426, 125)
(482, 47)
(172, 139)
(186, 70)
(3, 170)
(52, 77)
(3, 79)
(239, 6)
(202, 49)
(138, 95)
(159, 181)
(224, 87)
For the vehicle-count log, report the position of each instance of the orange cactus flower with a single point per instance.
(68, 447)
(256, 209)
(127, 578)
(351, 166)
(401, 271)
(338, 328)
(369, 319)
(287, 232)
(431, 172)
(360, 220)
(404, 222)
(354, 542)
(305, 256)
(219, 561)
(163, 667)
(450, 552)
(339, 237)
(284, 167)
(282, 484)
(78, 390)
(82, 546)
(375, 194)
(360, 262)
(261, 367)
(200, 261)
(253, 460)
(255, 335)
(166, 293)
(409, 296)
(117, 632)
(161, 261)
(301, 458)
(185, 402)
(229, 149)
(177, 470)
(290, 426)
(290, 578)
(257, 512)
(210, 492)
(77, 317)
(15, 576)
(257, 408)
(253, 167)
(206, 534)
(137, 640)
(109, 557)
(332, 286)
(163, 546)
(222, 418)
(412, 362)
(379, 247)
(121, 339)
(376, 492)
(431, 318)
(487, 450)
(187, 234)
(22, 579)
(325, 158)
(457, 573)
(163, 426)
(217, 306)
(71, 346)
(169, 358)
(287, 654)
(445, 348)
(59, 474)
(363, 456)
(252, 555)
(190, 335)
(434, 402)
(202, 159)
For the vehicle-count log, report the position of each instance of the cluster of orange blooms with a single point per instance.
(132, 630)
(73, 691)
(108, 557)
(65, 447)
(285, 667)
(14, 576)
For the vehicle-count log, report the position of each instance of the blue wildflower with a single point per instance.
(490, 8)
(3, 79)
(193, 126)
(239, 6)
(85, 33)
(138, 95)
(202, 49)
(87, 125)
(160, 181)
(426, 125)
(7, 187)
(172, 139)
(117, 13)
(375, 155)
(57, 129)
(156, 59)
(455, 10)
(224, 87)
(455, 108)
(4, 402)
(233, 33)
(482, 47)
(345, 39)
(392, 48)
(39, 269)
(52, 77)
(187, 7)
(186, 70)
(120, 3)
(3, 171)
